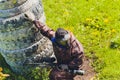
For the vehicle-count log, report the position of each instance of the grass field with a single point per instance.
(96, 24)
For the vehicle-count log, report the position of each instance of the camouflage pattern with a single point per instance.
(20, 41)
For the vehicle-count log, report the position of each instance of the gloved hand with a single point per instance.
(29, 16)
(64, 67)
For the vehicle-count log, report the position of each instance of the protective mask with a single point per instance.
(64, 40)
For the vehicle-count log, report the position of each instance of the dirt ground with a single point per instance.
(89, 71)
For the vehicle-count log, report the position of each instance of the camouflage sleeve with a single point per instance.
(44, 29)
(77, 54)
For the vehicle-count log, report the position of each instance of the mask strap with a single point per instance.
(53, 39)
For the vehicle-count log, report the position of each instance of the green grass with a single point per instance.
(96, 25)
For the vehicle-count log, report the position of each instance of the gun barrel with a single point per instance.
(79, 72)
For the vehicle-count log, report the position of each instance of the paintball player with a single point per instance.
(67, 50)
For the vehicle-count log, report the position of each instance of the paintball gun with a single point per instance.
(50, 62)
(44, 64)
